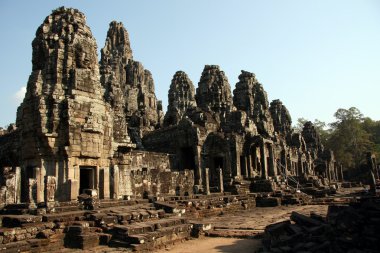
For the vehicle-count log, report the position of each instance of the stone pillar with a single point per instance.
(198, 166)
(220, 174)
(73, 186)
(207, 181)
(106, 183)
(32, 193)
(128, 187)
(50, 189)
(248, 165)
(40, 180)
(341, 173)
(116, 177)
(271, 161)
(264, 166)
(300, 169)
(18, 185)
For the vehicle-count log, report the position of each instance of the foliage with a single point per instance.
(348, 139)
(351, 136)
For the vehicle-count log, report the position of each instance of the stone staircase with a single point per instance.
(151, 234)
(137, 225)
(198, 206)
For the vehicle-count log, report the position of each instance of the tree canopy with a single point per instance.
(351, 136)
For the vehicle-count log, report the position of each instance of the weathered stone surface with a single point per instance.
(346, 229)
(214, 92)
(282, 121)
(181, 98)
(311, 137)
(141, 101)
(249, 96)
(80, 120)
(114, 57)
(63, 115)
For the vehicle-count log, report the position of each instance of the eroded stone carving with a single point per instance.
(282, 121)
(181, 98)
(250, 96)
(214, 92)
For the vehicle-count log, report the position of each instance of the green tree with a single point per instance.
(348, 139)
(373, 128)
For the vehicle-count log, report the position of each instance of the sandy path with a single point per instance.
(214, 245)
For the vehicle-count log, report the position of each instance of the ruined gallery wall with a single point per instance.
(155, 182)
(141, 172)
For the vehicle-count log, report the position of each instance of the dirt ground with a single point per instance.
(249, 222)
(227, 227)
(215, 245)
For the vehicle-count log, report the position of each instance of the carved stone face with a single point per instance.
(84, 55)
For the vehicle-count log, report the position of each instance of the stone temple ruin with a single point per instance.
(92, 133)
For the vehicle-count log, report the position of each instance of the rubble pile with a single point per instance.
(347, 228)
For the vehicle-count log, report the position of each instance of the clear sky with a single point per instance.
(315, 56)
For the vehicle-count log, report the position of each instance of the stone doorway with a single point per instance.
(86, 178)
(187, 159)
(217, 163)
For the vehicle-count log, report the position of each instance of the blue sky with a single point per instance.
(315, 56)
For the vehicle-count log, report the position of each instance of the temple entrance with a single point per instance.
(187, 159)
(86, 178)
(217, 158)
(243, 170)
(214, 176)
(218, 162)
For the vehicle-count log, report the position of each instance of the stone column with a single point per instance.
(198, 167)
(328, 175)
(116, 177)
(128, 187)
(32, 193)
(341, 178)
(264, 166)
(248, 165)
(40, 180)
(73, 186)
(106, 183)
(220, 174)
(18, 185)
(271, 161)
(206, 181)
(300, 169)
(50, 188)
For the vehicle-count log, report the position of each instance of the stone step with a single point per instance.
(63, 209)
(123, 231)
(18, 220)
(113, 203)
(82, 241)
(139, 215)
(162, 241)
(67, 216)
(161, 232)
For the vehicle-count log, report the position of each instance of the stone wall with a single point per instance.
(153, 173)
(160, 183)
